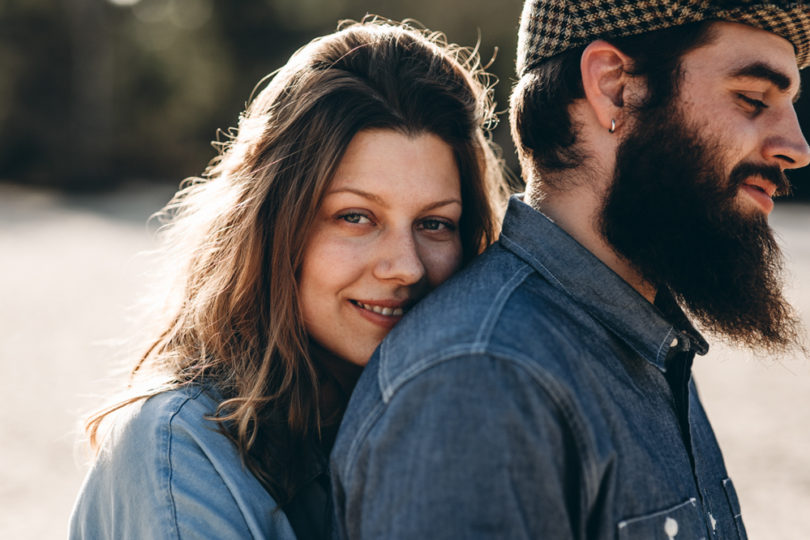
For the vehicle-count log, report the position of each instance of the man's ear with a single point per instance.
(605, 79)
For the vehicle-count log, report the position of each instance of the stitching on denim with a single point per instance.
(558, 395)
(503, 295)
(169, 476)
(448, 353)
(548, 274)
(662, 346)
(189, 397)
(548, 384)
(389, 386)
(517, 248)
(360, 437)
(689, 502)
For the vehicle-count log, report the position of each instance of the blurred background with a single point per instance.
(106, 105)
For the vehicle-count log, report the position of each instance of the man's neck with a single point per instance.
(576, 211)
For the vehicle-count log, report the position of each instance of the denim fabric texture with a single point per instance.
(166, 472)
(534, 395)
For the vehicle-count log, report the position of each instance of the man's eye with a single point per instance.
(355, 218)
(756, 106)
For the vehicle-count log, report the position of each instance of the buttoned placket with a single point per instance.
(678, 374)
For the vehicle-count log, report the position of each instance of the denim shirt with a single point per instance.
(534, 395)
(167, 472)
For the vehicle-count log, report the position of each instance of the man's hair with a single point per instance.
(542, 128)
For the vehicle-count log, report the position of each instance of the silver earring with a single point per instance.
(612, 125)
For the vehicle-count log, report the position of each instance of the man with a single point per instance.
(545, 392)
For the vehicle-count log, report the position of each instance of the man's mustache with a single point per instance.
(771, 173)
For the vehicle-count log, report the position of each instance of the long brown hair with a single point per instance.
(238, 233)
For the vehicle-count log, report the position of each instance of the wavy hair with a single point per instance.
(237, 234)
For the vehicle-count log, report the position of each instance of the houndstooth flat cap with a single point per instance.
(549, 27)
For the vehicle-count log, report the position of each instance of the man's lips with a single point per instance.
(766, 186)
(761, 191)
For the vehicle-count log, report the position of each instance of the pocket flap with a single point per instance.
(681, 522)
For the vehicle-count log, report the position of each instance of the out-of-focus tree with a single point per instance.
(95, 92)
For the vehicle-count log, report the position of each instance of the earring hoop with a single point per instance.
(612, 125)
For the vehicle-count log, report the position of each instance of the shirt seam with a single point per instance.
(388, 386)
(170, 475)
(521, 252)
(530, 259)
(541, 378)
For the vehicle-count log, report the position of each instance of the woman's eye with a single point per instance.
(437, 225)
(355, 218)
(754, 105)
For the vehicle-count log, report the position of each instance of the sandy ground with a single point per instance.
(70, 270)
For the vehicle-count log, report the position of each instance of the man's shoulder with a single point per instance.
(499, 306)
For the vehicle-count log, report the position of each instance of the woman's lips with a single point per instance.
(384, 313)
(386, 310)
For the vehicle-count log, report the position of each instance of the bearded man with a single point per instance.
(546, 391)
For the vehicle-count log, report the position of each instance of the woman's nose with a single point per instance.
(399, 259)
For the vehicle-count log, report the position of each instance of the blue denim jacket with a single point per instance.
(534, 395)
(167, 472)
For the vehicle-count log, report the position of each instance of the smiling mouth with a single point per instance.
(760, 189)
(764, 186)
(381, 310)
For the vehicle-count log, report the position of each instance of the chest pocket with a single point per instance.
(681, 522)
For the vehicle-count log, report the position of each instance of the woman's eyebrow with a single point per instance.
(361, 193)
(381, 202)
(445, 202)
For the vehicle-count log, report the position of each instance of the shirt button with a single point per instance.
(671, 528)
(675, 342)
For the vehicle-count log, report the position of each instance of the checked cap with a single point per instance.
(549, 27)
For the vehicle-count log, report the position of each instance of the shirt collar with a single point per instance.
(651, 330)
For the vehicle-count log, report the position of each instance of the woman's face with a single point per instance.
(386, 234)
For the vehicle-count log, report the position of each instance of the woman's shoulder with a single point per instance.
(188, 406)
(166, 470)
(147, 430)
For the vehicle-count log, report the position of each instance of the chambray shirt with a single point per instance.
(534, 395)
(167, 472)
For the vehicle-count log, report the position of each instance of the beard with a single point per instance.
(674, 215)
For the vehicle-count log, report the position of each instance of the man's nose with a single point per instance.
(787, 146)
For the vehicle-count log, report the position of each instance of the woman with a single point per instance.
(360, 179)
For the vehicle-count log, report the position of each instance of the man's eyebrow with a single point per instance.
(761, 70)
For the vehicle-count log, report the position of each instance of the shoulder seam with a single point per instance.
(518, 250)
(508, 288)
(389, 386)
(170, 472)
(189, 397)
(548, 385)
